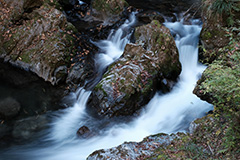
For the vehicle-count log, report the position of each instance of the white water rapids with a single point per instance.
(166, 113)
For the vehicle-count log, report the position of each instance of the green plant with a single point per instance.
(232, 137)
(226, 10)
(223, 84)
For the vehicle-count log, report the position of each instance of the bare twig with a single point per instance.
(210, 148)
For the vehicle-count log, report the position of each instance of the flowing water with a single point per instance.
(166, 113)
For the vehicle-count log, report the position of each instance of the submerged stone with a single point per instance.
(84, 132)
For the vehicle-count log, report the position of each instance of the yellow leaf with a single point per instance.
(218, 132)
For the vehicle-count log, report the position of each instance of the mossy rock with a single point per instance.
(162, 44)
(43, 42)
(132, 80)
(221, 79)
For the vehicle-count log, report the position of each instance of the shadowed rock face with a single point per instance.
(9, 108)
(144, 67)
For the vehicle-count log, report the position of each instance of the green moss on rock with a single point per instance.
(40, 42)
(219, 85)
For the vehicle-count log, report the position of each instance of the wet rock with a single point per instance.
(9, 108)
(145, 67)
(80, 72)
(133, 150)
(84, 132)
(32, 92)
(75, 74)
(40, 41)
(26, 128)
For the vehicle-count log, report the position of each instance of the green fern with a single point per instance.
(226, 9)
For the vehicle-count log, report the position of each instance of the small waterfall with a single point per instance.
(111, 49)
(174, 111)
(66, 126)
(167, 113)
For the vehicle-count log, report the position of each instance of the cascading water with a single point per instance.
(167, 113)
(111, 49)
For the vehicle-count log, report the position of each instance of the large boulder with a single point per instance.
(157, 38)
(212, 38)
(131, 81)
(37, 38)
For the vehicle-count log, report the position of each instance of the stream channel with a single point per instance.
(168, 113)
